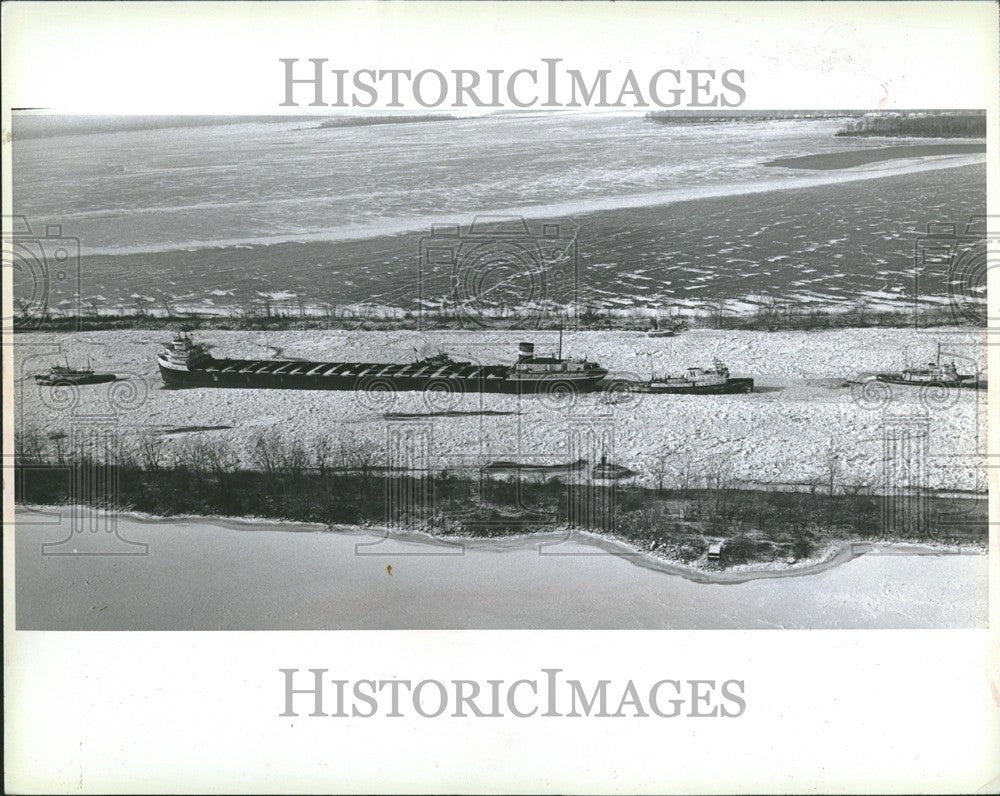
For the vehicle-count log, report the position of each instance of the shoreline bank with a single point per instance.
(833, 554)
(749, 313)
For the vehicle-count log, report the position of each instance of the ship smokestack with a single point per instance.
(526, 349)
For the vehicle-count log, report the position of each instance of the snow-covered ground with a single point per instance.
(800, 419)
(199, 574)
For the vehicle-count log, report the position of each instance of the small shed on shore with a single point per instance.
(715, 551)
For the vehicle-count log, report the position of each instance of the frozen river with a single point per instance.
(222, 575)
(782, 433)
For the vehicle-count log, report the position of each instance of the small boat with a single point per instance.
(610, 471)
(519, 468)
(62, 375)
(935, 374)
(668, 331)
(699, 381)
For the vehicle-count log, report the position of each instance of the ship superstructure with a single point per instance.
(59, 375)
(696, 381)
(936, 373)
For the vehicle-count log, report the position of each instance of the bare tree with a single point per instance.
(265, 451)
(322, 453)
(294, 458)
(346, 445)
(122, 454)
(832, 462)
(248, 310)
(151, 452)
(365, 458)
(861, 312)
(719, 479)
(220, 458)
(29, 446)
(768, 312)
(658, 468)
(194, 455)
(718, 314)
(57, 439)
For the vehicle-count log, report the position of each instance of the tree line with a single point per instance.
(338, 481)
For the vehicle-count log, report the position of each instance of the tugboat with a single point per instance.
(188, 364)
(698, 381)
(60, 375)
(934, 374)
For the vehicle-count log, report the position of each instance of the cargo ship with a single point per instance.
(186, 363)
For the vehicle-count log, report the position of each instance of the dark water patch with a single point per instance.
(506, 466)
(861, 157)
(169, 432)
(831, 383)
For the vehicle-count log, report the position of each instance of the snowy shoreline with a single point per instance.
(833, 554)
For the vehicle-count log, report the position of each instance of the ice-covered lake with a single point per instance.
(228, 184)
(217, 216)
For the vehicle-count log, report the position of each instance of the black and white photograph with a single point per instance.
(563, 346)
(501, 370)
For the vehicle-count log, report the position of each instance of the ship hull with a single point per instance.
(75, 381)
(731, 387)
(249, 374)
(965, 384)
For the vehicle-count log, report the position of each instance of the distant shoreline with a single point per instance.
(859, 157)
(374, 121)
